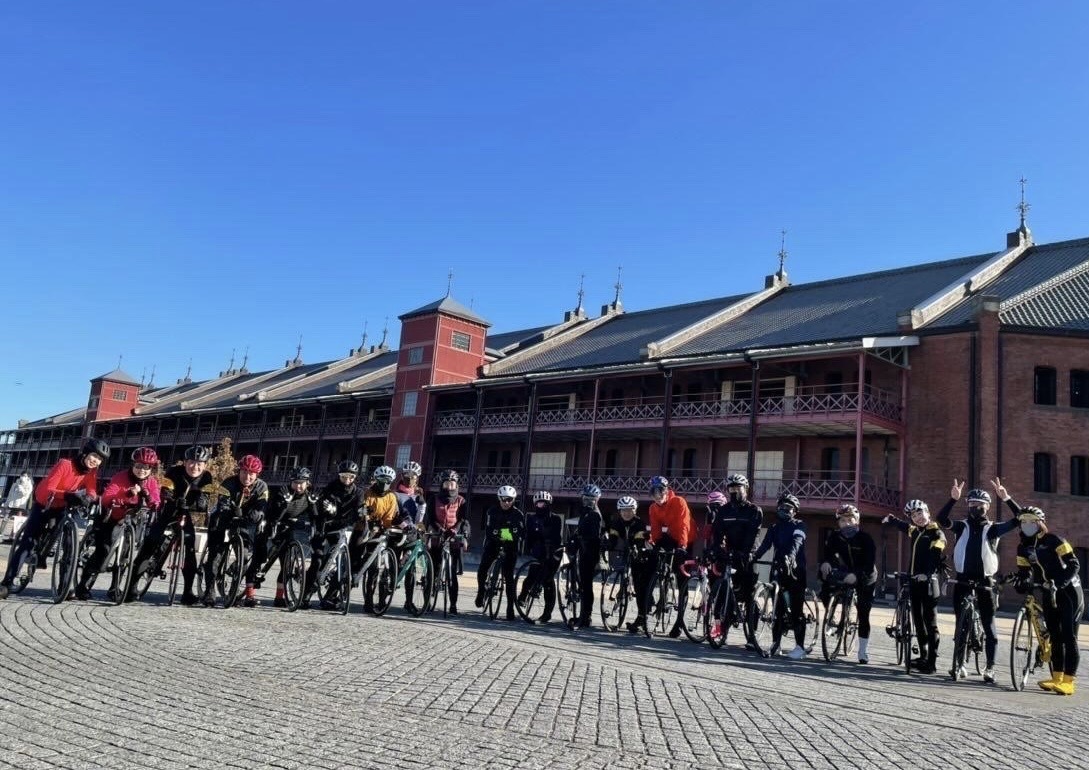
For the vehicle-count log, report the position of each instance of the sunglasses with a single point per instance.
(506, 499)
(141, 467)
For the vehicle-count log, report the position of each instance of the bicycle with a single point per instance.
(1030, 645)
(900, 628)
(445, 576)
(61, 536)
(697, 604)
(969, 639)
(335, 577)
(768, 612)
(494, 588)
(231, 563)
(662, 597)
(169, 560)
(385, 569)
(617, 593)
(292, 558)
(839, 630)
(417, 573)
(120, 560)
(725, 611)
(530, 602)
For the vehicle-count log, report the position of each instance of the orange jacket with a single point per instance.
(672, 513)
(64, 477)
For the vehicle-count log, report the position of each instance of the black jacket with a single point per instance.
(591, 525)
(926, 547)
(738, 524)
(544, 533)
(626, 537)
(182, 494)
(496, 520)
(856, 555)
(249, 504)
(287, 505)
(347, 502)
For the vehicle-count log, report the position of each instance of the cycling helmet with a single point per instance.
(847, 510)
(789, 500)
(198, 454)
(96, 446)
(916, 506)
(979, 496)
(716, 498)
(348, 466)
(1031, 513)
(251, 463)
(626, 503)
(145, 455)
(450, 476)
(542, 497)
(659, 482)
(591, 490)
(384, 473)
(506, 491)
(411, 468)
(299, 474)
(737, 480)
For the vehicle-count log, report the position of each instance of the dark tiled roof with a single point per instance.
(1059, 304)
(327, 386)
(117, 375)
(500, 341)
(1037, 265)
(447, 305)
(843, 308)
(618, 340)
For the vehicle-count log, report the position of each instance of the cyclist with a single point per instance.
(245, 497)
(185, 489)
(289, 515)
(448, 518)
(340, 505)
(975, 558)
(544, 542)
(671, 530)
(127, 491)
(735, 523)
(926, 544)
(850, 558)
(71, 482)
(1042, 557)
(787, 537)
(410, 495)
(627, 533)
(503, 529)
(383, 513)
(586, 543)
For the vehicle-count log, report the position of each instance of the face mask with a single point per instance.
(977, 512)
(784, 514)
(737, 496)
(1029, 529)
(849, 531)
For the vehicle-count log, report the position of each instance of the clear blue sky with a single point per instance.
(177, 180)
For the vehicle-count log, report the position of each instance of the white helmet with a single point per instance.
(542, 497)
(627, 502)
(412, 468)
(916, 506)
(384, 473)
(506, 491)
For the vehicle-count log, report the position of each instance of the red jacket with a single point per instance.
(64, 477)
(673, 513)
(116, 500)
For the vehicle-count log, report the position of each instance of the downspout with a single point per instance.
(593, 430)
(858, 428)
(973, 377)
(664, 454)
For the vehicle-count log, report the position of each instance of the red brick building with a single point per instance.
(871, 389)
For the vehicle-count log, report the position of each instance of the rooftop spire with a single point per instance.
(1022, 236)
(385, 331)
(245, 359)
(1022, 207)
(230, 365)
(298, 352)
(449, 281)
(782, 253)
(151, 379)
(618, 285)
(582, 293)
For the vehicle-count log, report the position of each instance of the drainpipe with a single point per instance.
(593, 429)
(858, 428)
(664, 454)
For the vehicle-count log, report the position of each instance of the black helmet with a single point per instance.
(299, 474)
(98, 447)
(200, 454)
(348, 466)
(789, 500)
(979, 496)
(591, 490)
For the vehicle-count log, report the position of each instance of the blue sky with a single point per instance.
(177, 181)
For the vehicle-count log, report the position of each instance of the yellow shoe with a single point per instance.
(1050, 684)
(1066, 686)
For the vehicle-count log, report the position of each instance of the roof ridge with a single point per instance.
(1034, 291)
(895, 271)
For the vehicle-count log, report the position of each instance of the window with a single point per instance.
(1079, 475)
(460, 340)
(415, 356)
(408, 408)
(688, 463)
(767, 478)
(829, 463)
(546, 470)
(833, 382)
(1043, 386)
(1079, 388)
(120, 395)
(93, 403)
(610, 462)
(404, 453)
(1043, 472)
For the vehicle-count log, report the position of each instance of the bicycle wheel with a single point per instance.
(124, 564)
(385, 581)
(833, 629)
(25, 573)
(905, 639)
(442, 585)
(720, 612)
(960, 642)
(694, 610)
(175, 562)
(64, 562)
(493, 589)
(567, 593)
(762, 618)
(811, 618)
(613, 602)
(529, 603)
(975, 646)
(232, 570)
(1023, 651)
(293, 575)
(422, 572)
(343, 577)
(662, 605)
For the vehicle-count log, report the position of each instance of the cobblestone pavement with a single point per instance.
(86, 685)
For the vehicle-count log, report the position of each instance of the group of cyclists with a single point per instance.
(394, 505)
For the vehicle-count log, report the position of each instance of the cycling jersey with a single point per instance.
(117, 500)
(64, 477)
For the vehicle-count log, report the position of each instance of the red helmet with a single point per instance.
(251, 463)
(145, 455)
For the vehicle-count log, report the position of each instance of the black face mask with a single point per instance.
(737, 497)
(977, 512)
(785, 514)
